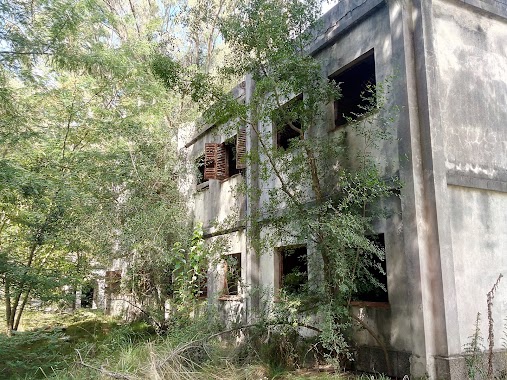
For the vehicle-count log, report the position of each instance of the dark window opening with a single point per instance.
(167, 282)
(370, 291)
(357, 84)
(282, 120)
(199, 164)
(87, 292)
(293, 269)
(230, 151)
(232, 274)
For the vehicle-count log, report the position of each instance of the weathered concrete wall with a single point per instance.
(231, 307)
(479, 242)
(392, 322)
(367, 34)
(220, 202)
(472, 66)
(471, 57)
(355, 38)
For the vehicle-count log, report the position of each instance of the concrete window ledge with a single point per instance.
(230, 298)
(369, 304)
(202, 186)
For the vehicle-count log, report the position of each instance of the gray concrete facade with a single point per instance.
(446, 238)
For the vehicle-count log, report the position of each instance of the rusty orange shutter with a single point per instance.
(210, 160)
(241, 149)
(222, 169)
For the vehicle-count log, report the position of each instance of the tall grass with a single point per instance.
(88, 346)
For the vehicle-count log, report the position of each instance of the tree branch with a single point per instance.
(377, 339)
(69, 121)
(13, 52)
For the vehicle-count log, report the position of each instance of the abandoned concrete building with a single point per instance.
(446, 241)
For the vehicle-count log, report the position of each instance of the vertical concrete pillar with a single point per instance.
(100, 301)
(252, 205)
(77, 301)
(440, 255)
(422, 171)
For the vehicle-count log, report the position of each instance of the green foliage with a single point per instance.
(474, 359)
(190, 265)
(373, 377)
(32, 353)
(88, 160)
(39, 352)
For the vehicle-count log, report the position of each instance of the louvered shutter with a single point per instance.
(222, 169)
(215, 161)
(210, 160)
(241, 149)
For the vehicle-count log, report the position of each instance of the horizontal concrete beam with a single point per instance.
(467, 180)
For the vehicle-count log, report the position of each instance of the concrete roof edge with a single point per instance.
(339, 19)
(493, 7)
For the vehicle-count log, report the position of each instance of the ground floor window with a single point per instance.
(232, 275)
(370, 289)
(293, 268)
(87, 293)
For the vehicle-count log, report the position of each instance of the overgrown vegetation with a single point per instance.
(92, 96)
(50, 344)
(479, 362)
(90, 346)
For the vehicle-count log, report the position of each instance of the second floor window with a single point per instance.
(223, 160)
(286, 122)
(357, 84)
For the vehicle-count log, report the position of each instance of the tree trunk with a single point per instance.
(312, 162)
(7, 295)
(21, 309)
(15, 314)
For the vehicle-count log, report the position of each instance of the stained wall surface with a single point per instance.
(471, 57)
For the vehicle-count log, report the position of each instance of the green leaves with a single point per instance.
(190, 269)
(88, 157)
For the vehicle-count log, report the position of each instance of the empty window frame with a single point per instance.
(232, 275)
(286, 122)
(231, 157)
(356, 83)
(293, 262)
(199, 164)
(367, 290)
(87, 295)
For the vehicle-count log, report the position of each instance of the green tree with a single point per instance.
(88, 151)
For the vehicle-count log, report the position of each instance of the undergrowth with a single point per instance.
(48, 342)
(88, 346)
